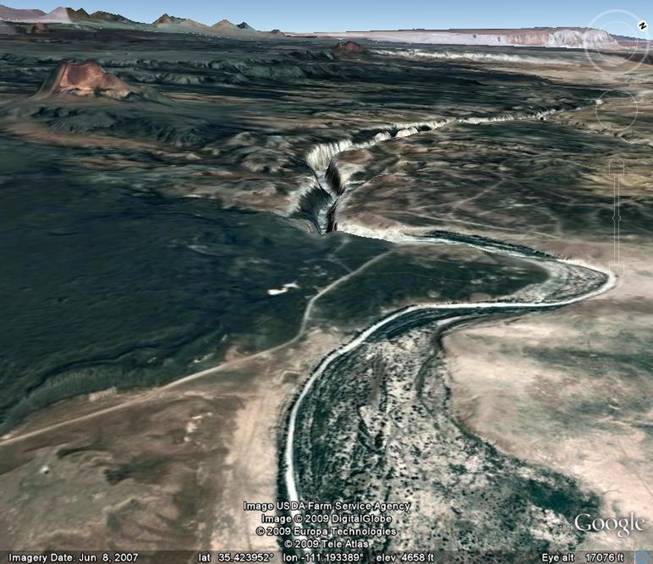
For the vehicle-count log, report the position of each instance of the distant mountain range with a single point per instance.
(165, 22)
(560, 37)
(12, 14)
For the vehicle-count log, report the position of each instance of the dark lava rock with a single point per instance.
(38, 28)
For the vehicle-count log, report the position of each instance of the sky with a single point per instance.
(619, 17)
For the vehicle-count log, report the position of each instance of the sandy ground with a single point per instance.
(546, 389)
(171, 469)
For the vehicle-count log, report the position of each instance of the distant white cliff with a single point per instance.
(570, 38)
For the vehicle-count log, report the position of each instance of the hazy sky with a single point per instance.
(336, 15)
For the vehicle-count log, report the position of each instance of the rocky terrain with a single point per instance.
(178, 261)
(527, 385)
(380, 427)
(84, 79)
